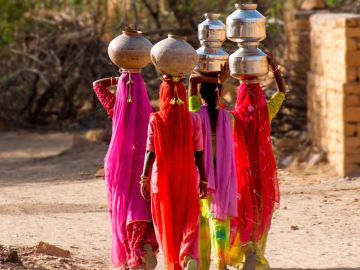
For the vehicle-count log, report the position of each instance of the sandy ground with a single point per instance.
(48, 192)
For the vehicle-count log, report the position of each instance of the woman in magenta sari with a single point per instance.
(133, 237)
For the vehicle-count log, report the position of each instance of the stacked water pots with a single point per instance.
(246, 26)
(211, 33)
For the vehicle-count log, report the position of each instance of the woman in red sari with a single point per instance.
(175, 145)
(258, 189)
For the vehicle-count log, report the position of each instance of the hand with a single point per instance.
(271, 59)
(145, 189)
(203, 190)
(224, 73)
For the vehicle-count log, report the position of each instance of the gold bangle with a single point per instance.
(276, 69)
(204, 182)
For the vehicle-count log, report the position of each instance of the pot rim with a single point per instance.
(246, 6)
(175, 36)
(212, 16)
(132, 32)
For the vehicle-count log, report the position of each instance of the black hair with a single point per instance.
(210, 95)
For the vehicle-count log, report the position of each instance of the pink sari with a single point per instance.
(124, 162)
(222, 182)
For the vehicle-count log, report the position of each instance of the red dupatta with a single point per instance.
(176, 210)
(255, 164)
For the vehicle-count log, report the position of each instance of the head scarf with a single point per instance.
(255, 164)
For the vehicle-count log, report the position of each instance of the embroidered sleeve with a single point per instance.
(275, 103)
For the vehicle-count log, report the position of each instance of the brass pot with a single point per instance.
(130, 50)
(173, 56)
(246, 24)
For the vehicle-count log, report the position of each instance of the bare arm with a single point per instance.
(196, 78)
(276, 70)
(148, 163)
(200, 164)
(145, 177)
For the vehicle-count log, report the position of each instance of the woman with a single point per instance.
(174, 142)
(221, 205)
(133, 236)
(255, 168)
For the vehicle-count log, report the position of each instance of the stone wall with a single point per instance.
(333, 92)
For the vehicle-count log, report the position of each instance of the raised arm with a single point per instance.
(276, 70)
(106, 98)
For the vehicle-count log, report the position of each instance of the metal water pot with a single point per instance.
(130, 50)
(211, 33)
(212, 29)
(248, 60)
(211, 59)
(246, 24)
(173, 56)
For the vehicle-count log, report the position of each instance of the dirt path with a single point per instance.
(48, 193)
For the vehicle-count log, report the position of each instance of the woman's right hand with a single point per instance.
(203, 190)
(145, 189)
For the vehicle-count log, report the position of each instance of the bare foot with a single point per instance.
(150, 258)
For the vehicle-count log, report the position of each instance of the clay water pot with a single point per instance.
(130, 50)
(173, 56)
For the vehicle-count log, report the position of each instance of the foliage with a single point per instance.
(334, 3)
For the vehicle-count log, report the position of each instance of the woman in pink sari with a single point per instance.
(133, 237)
(221, 205)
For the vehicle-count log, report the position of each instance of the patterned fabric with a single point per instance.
(214, 237)
(238, 253)
(139, 234)
(204, 243)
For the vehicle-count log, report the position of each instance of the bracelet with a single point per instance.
(277, 68)
(204, 182)
(144, 179)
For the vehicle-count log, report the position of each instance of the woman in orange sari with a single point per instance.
(175, 147)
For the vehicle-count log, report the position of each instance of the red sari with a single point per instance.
(255, 165)
(174, 197)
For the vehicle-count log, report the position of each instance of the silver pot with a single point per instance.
(212, 29)
(130, 50)
(248, 60)
(246, 24)
(211, 59)
(173, 56)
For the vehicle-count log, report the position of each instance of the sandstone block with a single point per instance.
(351, 129)
(352, 100)
(352, 114)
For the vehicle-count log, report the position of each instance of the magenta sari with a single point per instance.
(124, 162)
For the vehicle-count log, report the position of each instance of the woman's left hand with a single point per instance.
(271, 59)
